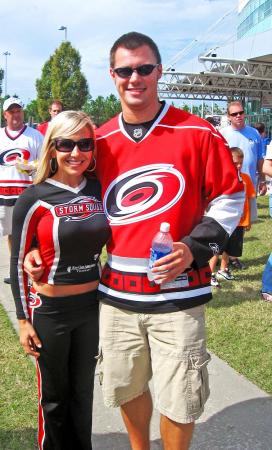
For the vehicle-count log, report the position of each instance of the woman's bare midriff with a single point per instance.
(64, 290)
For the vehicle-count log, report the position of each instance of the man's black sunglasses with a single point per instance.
(143, 71)
(68, 145)
(238, 113)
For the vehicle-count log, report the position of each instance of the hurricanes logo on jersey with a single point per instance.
(80, 208)
(143, 193)
(8, 157)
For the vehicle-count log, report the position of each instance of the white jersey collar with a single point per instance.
(66, 187)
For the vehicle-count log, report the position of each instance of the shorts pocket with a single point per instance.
(99, 359)
(198, 382)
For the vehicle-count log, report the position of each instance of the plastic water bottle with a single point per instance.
(162, 245)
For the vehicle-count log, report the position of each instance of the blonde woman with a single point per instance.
(58, 315)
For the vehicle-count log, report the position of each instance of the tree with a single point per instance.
(196, 110)
(217, 109)
(44, 89)
(31, 112)
(102, 109)
(185, 107)
(62, 79)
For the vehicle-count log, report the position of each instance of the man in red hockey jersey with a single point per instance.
(54, 109)
(156, 164)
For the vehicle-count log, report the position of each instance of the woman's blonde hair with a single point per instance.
(64, 125)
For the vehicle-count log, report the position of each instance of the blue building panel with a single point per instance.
(255, 16)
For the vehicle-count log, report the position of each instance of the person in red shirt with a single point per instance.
(55, 108)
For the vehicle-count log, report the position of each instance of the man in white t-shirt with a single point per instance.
(16, 140)
(247, 138)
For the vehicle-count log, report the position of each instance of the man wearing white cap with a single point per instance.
(17, 141)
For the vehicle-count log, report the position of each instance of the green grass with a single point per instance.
(239, 332)
(238, 322)
(18, 397)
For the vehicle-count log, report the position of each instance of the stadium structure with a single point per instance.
(239, 70)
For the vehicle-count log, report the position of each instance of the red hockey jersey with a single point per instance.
(180, 169)
(42, 127)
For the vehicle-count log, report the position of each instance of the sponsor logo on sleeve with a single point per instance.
(214, 247)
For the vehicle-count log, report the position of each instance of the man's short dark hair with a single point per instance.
(56, 102)
(238, 151)
(260, 126)
(131, 41)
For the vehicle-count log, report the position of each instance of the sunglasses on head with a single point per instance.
(238, 113)
(143, 71)
(68, 145)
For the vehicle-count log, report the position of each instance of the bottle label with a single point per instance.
(181, 281)
(156, 254)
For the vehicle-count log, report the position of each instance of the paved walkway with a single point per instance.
(238, 415)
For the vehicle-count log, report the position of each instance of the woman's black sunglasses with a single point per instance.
(68, 145)
(143, 71)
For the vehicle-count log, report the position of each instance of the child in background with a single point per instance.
(234, 246)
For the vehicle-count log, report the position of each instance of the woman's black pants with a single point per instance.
(68, 329)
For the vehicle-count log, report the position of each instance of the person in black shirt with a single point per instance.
(58, 315)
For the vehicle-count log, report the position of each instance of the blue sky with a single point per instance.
(29, 31)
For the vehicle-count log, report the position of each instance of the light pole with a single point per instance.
(62, 28)
(6, 54)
